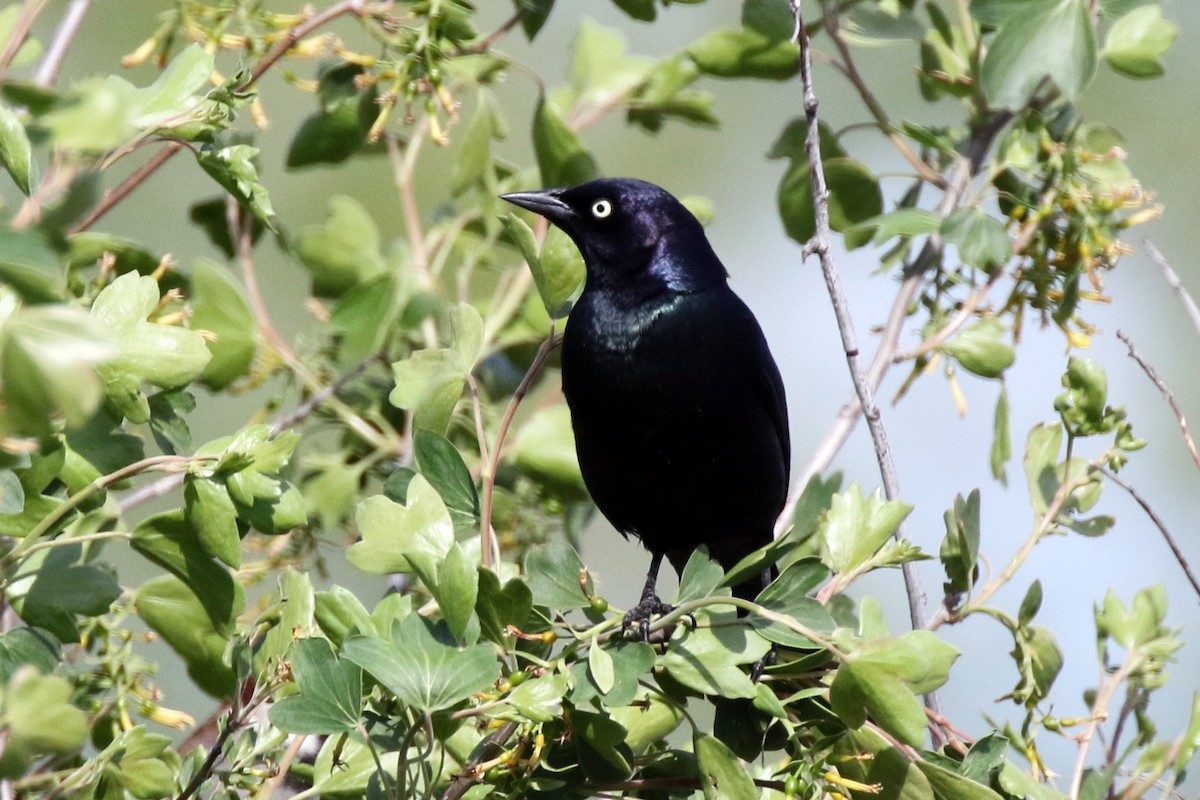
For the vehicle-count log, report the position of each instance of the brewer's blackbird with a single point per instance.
(678, 409)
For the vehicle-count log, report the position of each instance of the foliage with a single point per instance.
(497, 670)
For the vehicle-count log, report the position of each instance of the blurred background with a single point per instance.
(937, 452)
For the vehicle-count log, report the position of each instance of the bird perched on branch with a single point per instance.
(678, 409)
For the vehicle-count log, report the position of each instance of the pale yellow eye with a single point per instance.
(601, 209)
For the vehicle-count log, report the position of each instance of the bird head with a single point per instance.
(629, 230)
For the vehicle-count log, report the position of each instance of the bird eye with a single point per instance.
(601, 209)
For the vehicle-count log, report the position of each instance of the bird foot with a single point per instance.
(641, 614)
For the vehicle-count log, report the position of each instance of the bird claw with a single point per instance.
(641, 614)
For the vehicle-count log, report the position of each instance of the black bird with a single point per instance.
(678, 409)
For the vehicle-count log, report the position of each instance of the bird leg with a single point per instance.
(650, 603)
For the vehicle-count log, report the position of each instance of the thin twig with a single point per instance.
(118, 192)
(491, 464)
(1099, 713)
(1175, 283)
(1162, 528)
(1166, 393)
(848, 68)
(960, 318)
(820, 244)
(20, 32)
(48, 70)
(485, 44)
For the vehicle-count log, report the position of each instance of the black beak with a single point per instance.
(547, 203)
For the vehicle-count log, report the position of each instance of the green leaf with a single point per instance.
(295, 601)
(441, 464)
(771, 18)
(233, 168)
(744, 53)
(1082, 405)
(330, 699)
(545, 449)
(647, 720)
(1054, 40)
(950, 785)
(561, 157)
(422, 666)
(1137, 41)
(980, 238)
(1041, 465)
(788, 595)
(475, 153)
(30, 49)
(903, 222)
(167, 422)
(960, 549)
(1039, 660)
(21, 647)
(219, 306)
(700, 577)
(212, 514)
(66, 585)
(364, 318)
(600, 667)
(722, 776)
(169, 540)
(170, 608)
(1016, 782)
(857, 526)
(339, 613)
(854, 197)
(499, 607)
(1001, 450)
(48, 368)
(141, 763)
(429, 383)
(392, 534)
(15, 151)
(558, 272)
(40, 717)
(539, 699)
(980, 348)
(708, 659)
(30, 266)
(553, 571)
(344, 251)
(1030, 604)
(882, 678)
(457, 590)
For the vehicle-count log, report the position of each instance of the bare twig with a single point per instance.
(1175, 283)
(20, 32)
(848, 68)
(821, 246)
(488, 477)
(118, 192)
(1099, 713)
(1166, 393)
(63, 36)
(1162, 528)
(485, 44)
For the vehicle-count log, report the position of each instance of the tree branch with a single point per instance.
(1166, 393)
(63, 36)
(820, 245)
